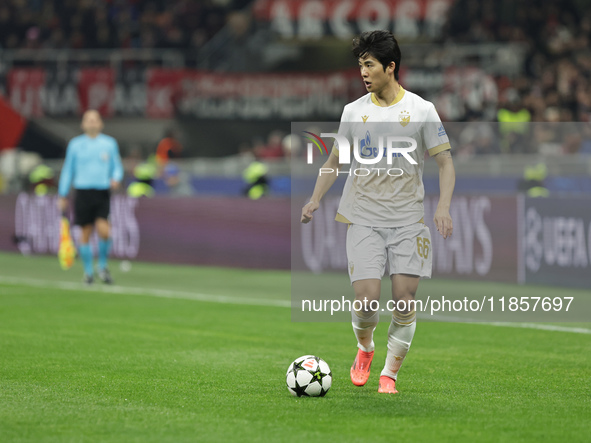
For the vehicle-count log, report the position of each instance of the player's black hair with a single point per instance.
(381, 45)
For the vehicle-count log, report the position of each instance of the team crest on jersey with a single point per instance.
(404, 118)
(364, 117)
(104, 156)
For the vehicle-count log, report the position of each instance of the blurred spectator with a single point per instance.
(176, 181)
(168, 146)
(273, 150)
(257, 181)
(143, 178)
(478, 138)
(243, 44)
(292, 146)
(42, 180)
(532, 182)
(514, 126)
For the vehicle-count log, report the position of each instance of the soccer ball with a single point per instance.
(308, 376)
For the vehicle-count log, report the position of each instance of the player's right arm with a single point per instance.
(66, 177)
(323, 184)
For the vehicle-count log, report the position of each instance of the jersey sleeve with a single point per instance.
(67, 173)
(116, 165)
(344, 129)
(434, 134)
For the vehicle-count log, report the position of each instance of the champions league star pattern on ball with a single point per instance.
(309, 376)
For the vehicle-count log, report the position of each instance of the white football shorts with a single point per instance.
(405, 250)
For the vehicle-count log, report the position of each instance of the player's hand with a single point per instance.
(443, 222)
(62, 204)
(307, 211)
(114, 185)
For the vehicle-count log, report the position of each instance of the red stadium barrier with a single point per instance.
(164, 93)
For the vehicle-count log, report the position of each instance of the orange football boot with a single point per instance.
(387, 385)
(361, 367)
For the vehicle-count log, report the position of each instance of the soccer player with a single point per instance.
(93, 166)
(385, 212)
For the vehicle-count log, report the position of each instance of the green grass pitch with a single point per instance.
(171, 355)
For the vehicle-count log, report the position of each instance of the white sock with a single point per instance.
(364, 323)
(400, 334)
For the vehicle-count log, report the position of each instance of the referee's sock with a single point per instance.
(86, 256)
(104, 247)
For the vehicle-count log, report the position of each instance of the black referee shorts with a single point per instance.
(90, 204)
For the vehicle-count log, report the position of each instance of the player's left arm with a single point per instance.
(116, 167)
(447, 181)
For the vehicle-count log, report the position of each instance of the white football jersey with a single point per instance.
(382, 194)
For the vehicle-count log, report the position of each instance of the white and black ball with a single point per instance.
(308, 376)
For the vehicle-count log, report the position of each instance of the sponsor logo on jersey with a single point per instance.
(364, 117)
(368, 151)
(441, 131)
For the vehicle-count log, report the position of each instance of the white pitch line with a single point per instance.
(226, 299)
(164, 293)
(522, 325)
(540, 326)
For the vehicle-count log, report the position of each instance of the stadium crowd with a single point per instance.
(102, 24)
(555, 84)
(556, 81)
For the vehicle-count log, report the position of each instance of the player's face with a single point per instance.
(372, 72)
(92, 123)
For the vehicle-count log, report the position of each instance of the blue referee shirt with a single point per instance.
(91, 163)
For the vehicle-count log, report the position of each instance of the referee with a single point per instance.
(93, 166)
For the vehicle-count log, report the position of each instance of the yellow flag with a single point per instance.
(67, 251)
